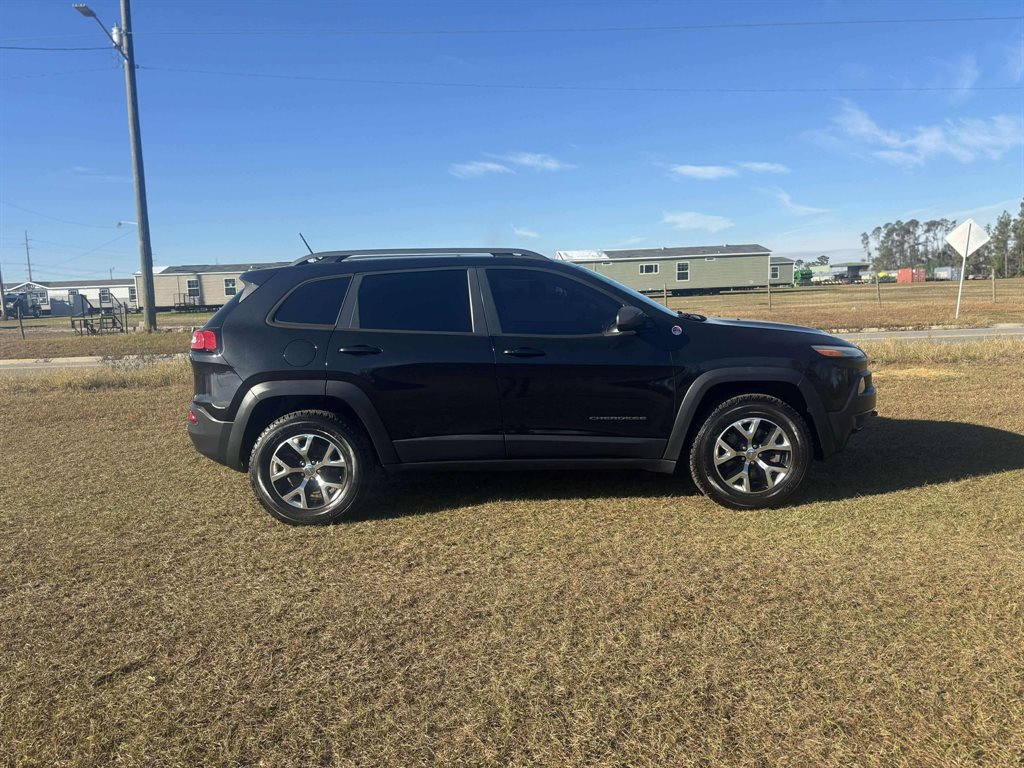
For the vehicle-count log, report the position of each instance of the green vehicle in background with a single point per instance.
(802, 276)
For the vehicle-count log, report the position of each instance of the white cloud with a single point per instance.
(477, 168)
(1015, 62)
(536, 161)
(963, 139)
(694, 220)
(962, 74)
(524, 232)
(630, 241)
(787, 202)
(85, 172)
(704, 172)
(764, 167)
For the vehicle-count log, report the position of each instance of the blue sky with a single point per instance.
(237, 164)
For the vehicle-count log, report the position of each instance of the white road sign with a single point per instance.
(967, 238)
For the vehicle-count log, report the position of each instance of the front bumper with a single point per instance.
(859, 409)
(209, 436)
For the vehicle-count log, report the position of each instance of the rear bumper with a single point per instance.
(858, 411)
(210, 436)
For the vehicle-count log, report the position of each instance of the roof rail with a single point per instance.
(335, 256)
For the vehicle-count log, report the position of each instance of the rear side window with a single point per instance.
(534, 302)
(317, 302)
(437, 300)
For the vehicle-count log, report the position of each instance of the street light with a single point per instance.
(121, 39)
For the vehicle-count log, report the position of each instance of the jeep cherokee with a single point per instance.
(318, 374)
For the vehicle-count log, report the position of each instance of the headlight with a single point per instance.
(846, 353)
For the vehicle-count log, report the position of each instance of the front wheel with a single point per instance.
(752, 452)
(310, 467)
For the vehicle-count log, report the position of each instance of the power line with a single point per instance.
(61, 72)
(36, 48)
(91, 250)
(583, 30)
(591, 88)
(51, 218)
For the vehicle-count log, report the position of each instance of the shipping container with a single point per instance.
(947, 273)
(908, 275)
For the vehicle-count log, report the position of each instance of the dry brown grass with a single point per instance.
(152, 614)
(126, 373)
(47, 345)
(995, 350)
(855, 307)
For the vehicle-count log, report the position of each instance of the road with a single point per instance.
(947, 335)
(14, 367)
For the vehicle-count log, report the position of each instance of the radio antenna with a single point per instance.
(307, 244)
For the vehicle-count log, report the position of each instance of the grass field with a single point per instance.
(152, 614)
(846, 307)
(855, 307)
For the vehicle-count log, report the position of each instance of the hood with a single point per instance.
(763, 325)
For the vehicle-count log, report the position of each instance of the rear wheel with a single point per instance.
(752, 452)
(310, 467)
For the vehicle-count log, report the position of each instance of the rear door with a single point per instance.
(570, 385)
(415, 342)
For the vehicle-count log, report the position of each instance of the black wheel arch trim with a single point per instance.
(694, 397)
(342, 391)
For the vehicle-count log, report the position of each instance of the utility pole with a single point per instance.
(28, 257)
(3, 297)
(111, 273)
(122, 40)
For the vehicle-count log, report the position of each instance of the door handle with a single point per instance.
(524, 352)
(360, 349)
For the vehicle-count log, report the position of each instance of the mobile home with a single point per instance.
(688, 269)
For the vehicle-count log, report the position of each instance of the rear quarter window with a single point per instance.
(316, 302)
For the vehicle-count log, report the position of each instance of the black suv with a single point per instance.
(317, 374)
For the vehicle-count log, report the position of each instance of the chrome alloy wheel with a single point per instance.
(311, 471)
(753, 455)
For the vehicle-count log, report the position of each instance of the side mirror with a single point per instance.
(630, 319)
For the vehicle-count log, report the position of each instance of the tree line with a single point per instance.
(916, 243)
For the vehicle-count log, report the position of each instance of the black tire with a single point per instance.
(787, 458)
(349, 476)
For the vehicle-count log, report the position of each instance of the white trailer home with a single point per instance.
(57, 296)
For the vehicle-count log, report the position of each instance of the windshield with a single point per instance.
(636, 295)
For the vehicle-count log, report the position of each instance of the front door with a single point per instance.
(571, 386)
(415, 343)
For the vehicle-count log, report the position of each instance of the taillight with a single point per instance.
(192, 417)
(204, 341)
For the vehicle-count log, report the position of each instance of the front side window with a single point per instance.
(683, 270)
(649, 269)
(775, 273)
(229, 286)
(193, 288)
(317, 302)
(428, 301)
(536, 302)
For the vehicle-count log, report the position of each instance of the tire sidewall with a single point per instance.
(720, 420)
(259, 470)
